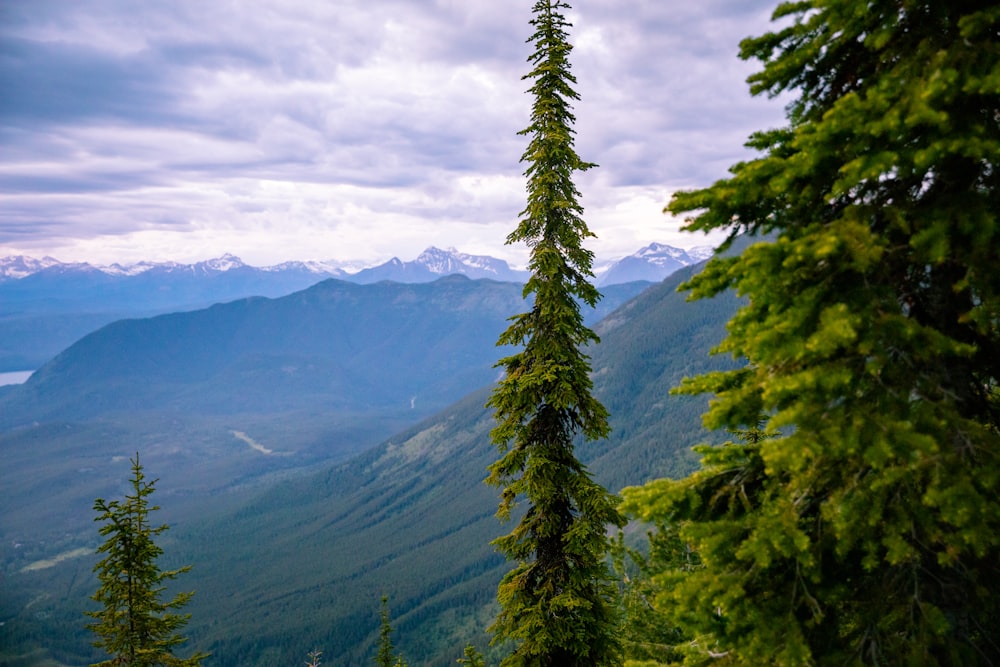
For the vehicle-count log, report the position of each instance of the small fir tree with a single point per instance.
(134, 626)
(557, 604)
(472, 657)
(386, 656)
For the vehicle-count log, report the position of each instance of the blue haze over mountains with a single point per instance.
(45, 305)
(406, 347)
(314, 451)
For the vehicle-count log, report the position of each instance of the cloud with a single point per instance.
(376, 127)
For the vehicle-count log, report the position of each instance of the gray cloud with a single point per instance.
(239, 120)
(57, 83)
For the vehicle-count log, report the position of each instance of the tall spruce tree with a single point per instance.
(134, 627)
(557, 603)
(868, 534)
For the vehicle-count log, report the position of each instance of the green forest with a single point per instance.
(842, 508)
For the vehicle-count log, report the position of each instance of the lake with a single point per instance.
(14, 377)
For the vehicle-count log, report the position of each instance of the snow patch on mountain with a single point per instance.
(128, 269)
(439, 261)
(320, 268)
(659, 253)
(17, 267)
(652, 263)
(220, 264)
(701, 253)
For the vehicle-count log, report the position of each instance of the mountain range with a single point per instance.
(655, 262)
(291, 554)
(334, 346)
(45, 305)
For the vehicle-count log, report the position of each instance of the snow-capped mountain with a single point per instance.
(50, 286)
(48, 304)
(652, 263)
(701, 253)
(433, 263)
(133, 269)
(451, 260)
(18, 267)
(14, 268)
(322, 268)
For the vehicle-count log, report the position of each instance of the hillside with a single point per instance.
(48, 305)
(232, 394)
(335, 346)
(302, 564)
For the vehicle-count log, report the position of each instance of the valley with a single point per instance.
(300, 488)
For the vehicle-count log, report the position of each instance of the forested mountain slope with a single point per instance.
(302, 565)
(223, 397)
(412, 518)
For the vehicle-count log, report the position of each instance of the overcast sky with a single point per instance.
(349, 129)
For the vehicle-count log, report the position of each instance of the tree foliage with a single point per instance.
(386, 656)
(557, 603)
(134, 626)
(868, 533)
(648, 634)
(675, 602)
(472, 657)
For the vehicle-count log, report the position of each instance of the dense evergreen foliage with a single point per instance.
(867, 534)
(557, 603)
(666, 620)
(134, 626)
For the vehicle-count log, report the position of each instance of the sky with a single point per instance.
(350, 130)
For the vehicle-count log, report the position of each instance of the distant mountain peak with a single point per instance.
(227, 262)
(441, 262)
(701, 253)
(434, 263)
(653, 263)
(434, 251)
(135, 269)
(326, 267)
(657, 250)
(20, 266)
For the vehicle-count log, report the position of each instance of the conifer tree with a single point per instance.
(386, 656)
(134, 626)
(673, 610)
(472, 657)
(557, 604)
(868, 533)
